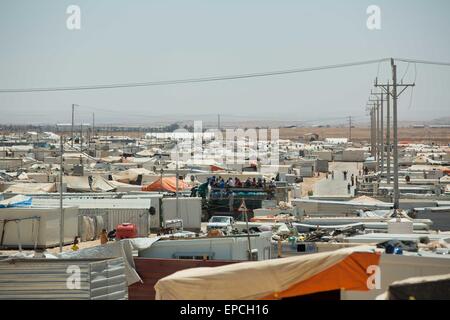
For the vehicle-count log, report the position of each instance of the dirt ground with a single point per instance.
(440, 136)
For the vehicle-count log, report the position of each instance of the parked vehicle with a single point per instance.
(224, 223)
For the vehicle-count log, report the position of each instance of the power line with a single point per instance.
(423, 62)
(194, 80)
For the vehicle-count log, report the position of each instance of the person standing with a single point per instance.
(349, 187)
(103, 237)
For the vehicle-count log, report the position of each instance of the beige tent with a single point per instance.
(272, 279)
(29, 188)
(130, 175)
(81, 184)
(367, 200)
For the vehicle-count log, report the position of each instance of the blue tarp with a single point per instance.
(18, 201)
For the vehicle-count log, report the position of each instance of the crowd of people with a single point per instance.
(220, 182)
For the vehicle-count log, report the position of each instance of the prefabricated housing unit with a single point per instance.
(189, 210)
(215, 248)
(36, 226)
(108, 213)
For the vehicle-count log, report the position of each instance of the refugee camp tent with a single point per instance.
(366, 199)
(273, 279)
(81, 184)
(167, 184)
(31, 188)
(419, 288)
(130, 175)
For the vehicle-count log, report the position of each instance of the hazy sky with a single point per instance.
(130, 41)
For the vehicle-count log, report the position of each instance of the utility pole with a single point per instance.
(388, 133)
(73, 114)
(377, 108)
(349, 128)
(176, 182)
(61, 222)
(382, 134)
(93, 124)
(380, 105)
(81, 137)
(372, 136)
(395, 95)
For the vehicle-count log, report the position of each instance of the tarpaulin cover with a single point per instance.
(272, 279)
(81, 184)
(16, 201)
(130, 175)
(167, 184)
(28, 188)
(421, 288)
(123, 248)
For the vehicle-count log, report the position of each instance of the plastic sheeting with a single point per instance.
(88, 233)
(31, 188)
(272, 279)
(123, 248)
(16, 201)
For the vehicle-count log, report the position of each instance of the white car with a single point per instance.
(223, 223)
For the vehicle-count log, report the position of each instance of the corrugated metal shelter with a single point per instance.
(63, 279)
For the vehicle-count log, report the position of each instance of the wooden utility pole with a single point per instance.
(395, 95)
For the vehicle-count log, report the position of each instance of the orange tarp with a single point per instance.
(349, 274)
(343, 269)
(167, 184)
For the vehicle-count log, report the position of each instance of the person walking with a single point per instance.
(352, 180)
(332, 174)
(349, 187)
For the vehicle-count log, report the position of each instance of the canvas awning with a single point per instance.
(167, 184)
(273, 279)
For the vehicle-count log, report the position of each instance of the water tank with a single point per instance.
(126, 230)
(400, 226)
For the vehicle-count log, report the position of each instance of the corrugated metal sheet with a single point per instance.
(46, 279)
(114, 211)
(113, 217)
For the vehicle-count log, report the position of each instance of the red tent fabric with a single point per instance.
(167, 184)
(216, 168)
